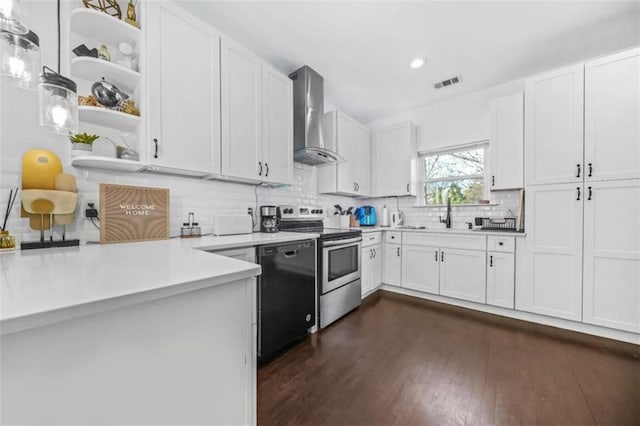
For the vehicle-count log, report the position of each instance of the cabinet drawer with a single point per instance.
(445, 240)
(394, 237)
(501, 244)
(371, 238)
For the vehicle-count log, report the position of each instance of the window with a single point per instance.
(458, 174)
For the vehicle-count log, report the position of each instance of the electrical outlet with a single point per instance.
(90, 208)
(250, 211)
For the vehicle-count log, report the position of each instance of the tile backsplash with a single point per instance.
(204, 198)
(503, 204)
(209, 198)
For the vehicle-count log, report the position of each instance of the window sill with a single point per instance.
(444, 206)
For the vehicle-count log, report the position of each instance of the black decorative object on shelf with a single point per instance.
(83, 50)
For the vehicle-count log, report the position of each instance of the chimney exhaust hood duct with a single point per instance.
(308, 116)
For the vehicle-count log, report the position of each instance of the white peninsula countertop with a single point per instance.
(39, 287)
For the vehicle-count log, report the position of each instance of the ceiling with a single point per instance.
(363, 48)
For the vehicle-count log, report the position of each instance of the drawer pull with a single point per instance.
(500, 243)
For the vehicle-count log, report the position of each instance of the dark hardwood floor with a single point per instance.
(404, 361)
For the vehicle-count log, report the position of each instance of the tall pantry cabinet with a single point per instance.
(582, 177)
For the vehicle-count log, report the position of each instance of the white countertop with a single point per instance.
(367, 229)
(212, 243)
(39, 287)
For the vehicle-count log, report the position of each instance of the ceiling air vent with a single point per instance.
(449, 82)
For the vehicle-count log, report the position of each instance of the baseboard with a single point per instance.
(539, 320)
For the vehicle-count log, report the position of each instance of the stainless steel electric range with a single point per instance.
(339, 263)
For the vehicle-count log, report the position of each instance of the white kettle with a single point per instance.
(396, 219)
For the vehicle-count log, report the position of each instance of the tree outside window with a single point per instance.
(456, 174)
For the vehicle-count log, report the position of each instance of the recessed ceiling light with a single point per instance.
(418, 62)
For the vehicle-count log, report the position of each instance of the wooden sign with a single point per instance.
(133, 213)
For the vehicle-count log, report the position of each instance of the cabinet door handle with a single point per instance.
(578, 188)
(267, 166)
(493, 180)
(578, 166)
(441, 256)
(436, 255)
(155, 142)
(590, 194)
(370, 253)
(375, 253)
(408, 188)
(491, 261)
(398, 251)
(260, 165)
(354, 186)
(590, 169)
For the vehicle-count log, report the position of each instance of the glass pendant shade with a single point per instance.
(20, 58)
(58, 102)
(11, 17)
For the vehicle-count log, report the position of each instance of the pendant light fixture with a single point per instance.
(58, 98)
(11, 18)
(20, 58)
(58, 102)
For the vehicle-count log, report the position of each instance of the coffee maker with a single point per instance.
(268, 219)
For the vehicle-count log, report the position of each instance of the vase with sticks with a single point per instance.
(8, 242)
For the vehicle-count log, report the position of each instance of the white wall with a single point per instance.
(455, 121)
(460, 120)
(19, 132)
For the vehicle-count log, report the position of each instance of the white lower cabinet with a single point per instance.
(611, 288)
(371, 268)
(552, 280)
(462, 274)
(421, 268)
(392, 264)
(371, 262)
(500, 279)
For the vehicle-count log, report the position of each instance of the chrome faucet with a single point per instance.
(447, 220)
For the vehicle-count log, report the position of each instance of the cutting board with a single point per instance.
(133, 213)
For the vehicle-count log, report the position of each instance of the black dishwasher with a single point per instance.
(286, 295)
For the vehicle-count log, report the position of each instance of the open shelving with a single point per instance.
(108, 118)
(93, 24)
(106, 163)
(93, 69)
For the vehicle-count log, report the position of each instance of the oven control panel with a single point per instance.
(289, 212)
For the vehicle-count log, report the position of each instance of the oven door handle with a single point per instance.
(341, 242)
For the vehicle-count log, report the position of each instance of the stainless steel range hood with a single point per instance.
(308, 116)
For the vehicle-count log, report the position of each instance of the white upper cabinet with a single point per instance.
(241, 87)
(554, 127)
(257, 118)
(393, 160)
(612, 114)
(277, 126)
(507, 142)
(552, 280)
(184, 91)
(612, 254)
(353, 143)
